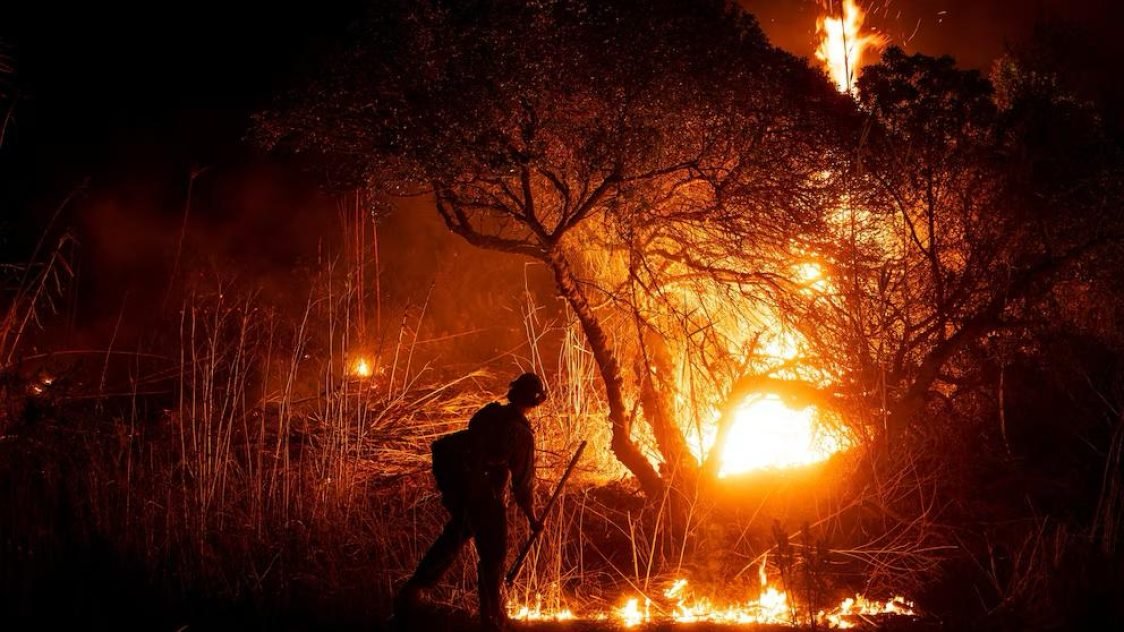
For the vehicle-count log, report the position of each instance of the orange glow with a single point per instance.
(810, 275)
(537, 612)
(843, 44)
(361, 368)
(770, 605)
(631, 615)
(766, 433)
(860, 606)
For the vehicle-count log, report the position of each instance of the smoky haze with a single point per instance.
(256, 228)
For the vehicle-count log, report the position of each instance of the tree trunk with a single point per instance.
(657, 397)
(623, 447)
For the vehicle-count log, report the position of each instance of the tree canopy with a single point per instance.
(540, 126)
(680, 177)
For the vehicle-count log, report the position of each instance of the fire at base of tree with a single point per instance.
(843, 340)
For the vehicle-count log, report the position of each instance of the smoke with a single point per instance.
(262, 227)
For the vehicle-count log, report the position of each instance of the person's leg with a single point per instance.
(489, 526)
(440, 556)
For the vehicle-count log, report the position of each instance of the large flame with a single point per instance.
(768, 433)
(842, 42)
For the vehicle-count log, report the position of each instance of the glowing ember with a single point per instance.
(766, 433)
(361, 367)
(842, 43)
(45, 380)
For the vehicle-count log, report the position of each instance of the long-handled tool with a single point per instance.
(522, 557)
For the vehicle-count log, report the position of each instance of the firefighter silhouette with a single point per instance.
(472, 468)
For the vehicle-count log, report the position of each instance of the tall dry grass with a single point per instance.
(242, 462)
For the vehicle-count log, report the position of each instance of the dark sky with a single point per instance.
(103, 82)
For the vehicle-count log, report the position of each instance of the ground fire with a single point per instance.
(678, 605)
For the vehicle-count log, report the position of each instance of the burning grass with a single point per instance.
(678, 604)
(280, 462)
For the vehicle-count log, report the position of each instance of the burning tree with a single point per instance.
(735, 236)
(663, 161)
(943, 239)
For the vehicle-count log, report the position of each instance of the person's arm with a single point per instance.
(523, 476)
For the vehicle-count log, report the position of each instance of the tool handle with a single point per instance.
(526, 549)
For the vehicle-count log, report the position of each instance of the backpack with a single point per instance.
(453, 455)
(461, 461)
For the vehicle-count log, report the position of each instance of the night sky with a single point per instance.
(122, 101)
(109, 88)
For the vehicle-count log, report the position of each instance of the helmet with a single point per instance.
(527, 390)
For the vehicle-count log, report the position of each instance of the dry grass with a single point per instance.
(273, 477)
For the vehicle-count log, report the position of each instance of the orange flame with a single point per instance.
(770, 606)
(859, 606)
(767, 433)
(843, 44)
(361, 368)
(537, 612)
(764, 431)
(631, 615)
